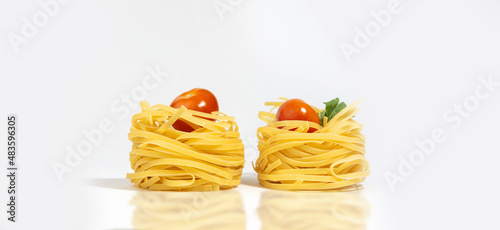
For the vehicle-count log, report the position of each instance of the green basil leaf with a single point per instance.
(337, 109)
(330, 106)
(321, 116)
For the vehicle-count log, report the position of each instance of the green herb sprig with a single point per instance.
(332, 108)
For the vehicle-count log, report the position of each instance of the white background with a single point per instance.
(426, 60)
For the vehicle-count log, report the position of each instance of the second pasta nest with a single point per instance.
(331, 157)
(206, 159)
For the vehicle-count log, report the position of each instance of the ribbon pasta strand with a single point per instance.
(332, 157)
(210, 158)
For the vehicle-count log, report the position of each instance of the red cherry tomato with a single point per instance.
(197, 99)
(296, 109)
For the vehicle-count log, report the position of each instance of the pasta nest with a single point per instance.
(331, 157)
(209, 158)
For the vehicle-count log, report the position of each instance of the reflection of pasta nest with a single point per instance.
(329, 158)
(209, 158)
(200, 210)
(292, 210)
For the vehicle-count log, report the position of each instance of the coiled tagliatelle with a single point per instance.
(209, 158)
(331, 157)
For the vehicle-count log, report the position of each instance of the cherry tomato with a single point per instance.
(296, 109)
(196, 99)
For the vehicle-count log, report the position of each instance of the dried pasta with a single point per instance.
(331, 157)
(210, 158)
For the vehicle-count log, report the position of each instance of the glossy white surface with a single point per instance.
(415, 77)
(250, 206)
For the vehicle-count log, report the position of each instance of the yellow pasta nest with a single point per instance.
(209, 158)
(331, 157)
